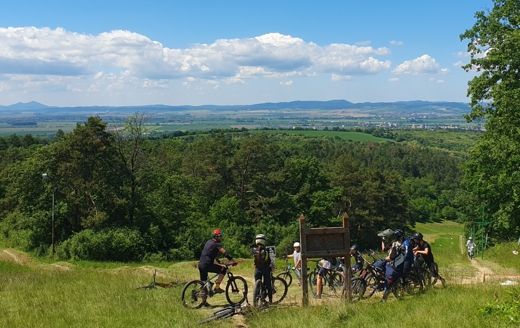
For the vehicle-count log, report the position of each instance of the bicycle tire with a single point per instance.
(236, 286)
(279, 289)
(359, 287)
(335, 283)
(226, 312)
(193, 295)
(286, 276)
(257, 293)
(312, 282)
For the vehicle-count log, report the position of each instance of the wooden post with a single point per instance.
(348, 273)
(303, 251)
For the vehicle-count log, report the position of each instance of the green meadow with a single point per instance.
(45, 293)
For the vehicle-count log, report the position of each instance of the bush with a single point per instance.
(118, 244)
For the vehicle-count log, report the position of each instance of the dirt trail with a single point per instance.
(484, 273)
(15, 256)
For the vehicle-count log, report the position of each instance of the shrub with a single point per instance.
(117, 244)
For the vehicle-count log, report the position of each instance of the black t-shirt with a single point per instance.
(210, 252)
(424, 245)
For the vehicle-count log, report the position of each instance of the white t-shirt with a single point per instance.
(325, 264)
(297, 256)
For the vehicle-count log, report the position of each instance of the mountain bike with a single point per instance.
(333, 280)
(260, 294)
(196, 292)
(286, 274)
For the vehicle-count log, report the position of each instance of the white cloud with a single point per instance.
(393, 79)
(58, 52)
(287, 83)
(396, 43)
(336, 77)
(424, 64)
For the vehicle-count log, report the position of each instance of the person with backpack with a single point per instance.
(394, 260)
(264, 264)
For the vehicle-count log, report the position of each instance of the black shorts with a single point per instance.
(204, 269)
(323, 272)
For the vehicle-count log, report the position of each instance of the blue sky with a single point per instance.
(233, 52)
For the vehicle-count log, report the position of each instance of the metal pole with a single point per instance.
(303, 252)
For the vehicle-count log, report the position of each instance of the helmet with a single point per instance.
(417, 236)
(260, 239)
(217, 233)
(386, 233)
(470, 238)
(398, 234)
(354, 247)
(296, 244)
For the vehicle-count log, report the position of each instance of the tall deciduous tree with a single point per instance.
(492, 174)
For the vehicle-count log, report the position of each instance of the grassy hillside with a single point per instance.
(37, 293)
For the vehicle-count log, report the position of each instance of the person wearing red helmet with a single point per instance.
(212, 249)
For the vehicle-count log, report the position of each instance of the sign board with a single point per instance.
(324, 243)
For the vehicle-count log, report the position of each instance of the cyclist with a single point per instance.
(424, 250)
(212, 249)
(354, 252)
(325, 266)
(297, 257)
(263, 261)
(407, 246)
(394, 260)
(470, 246)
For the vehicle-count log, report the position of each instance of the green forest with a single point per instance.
(122, 196)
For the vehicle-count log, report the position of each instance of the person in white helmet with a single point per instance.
(297, 257)
(470, 247)
(263, 261)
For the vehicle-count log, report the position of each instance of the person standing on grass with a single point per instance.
(264, 263)
(470, 246)
(424, 250)
(211, 251)
(297, 257)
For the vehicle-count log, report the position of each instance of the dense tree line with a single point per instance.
(122, 196)
(492, 174)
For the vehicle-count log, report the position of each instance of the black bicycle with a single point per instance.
(287, 273)
(195, 293)
(260, 295)
(333, 280)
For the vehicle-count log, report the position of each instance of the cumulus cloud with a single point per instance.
(287, 83)
(45, 51)
(424, 64)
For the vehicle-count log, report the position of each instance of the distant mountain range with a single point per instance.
(415, 106)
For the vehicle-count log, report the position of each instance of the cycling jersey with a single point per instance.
(210, 252)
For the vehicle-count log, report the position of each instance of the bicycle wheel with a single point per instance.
(359, 286)
(220, 314)
(194, 294)
(257, 293)
(236, 290)
(286, 275)
(335, 283)
(279, 290)
(312, 282)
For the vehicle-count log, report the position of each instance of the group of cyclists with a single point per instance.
(403, 253)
